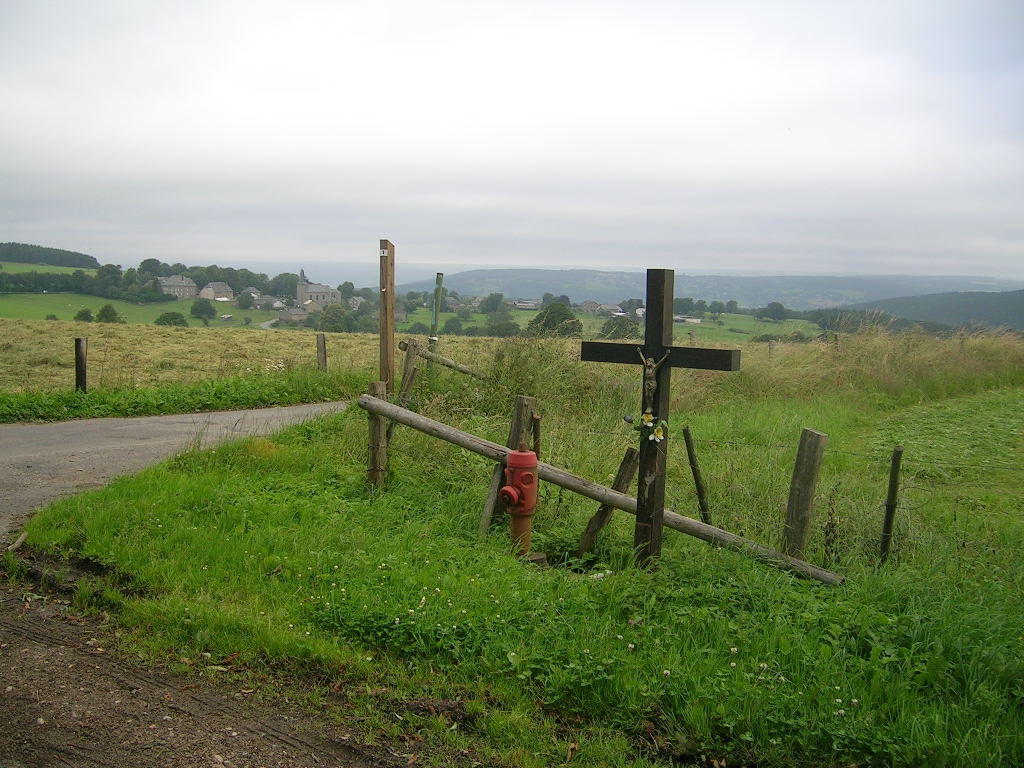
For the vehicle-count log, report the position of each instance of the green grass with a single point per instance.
(37, 306)
(296, 568)
(17, 267)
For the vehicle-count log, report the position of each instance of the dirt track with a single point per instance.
(65, 698)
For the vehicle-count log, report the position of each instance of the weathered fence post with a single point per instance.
(321, 351)
(698, 478)
(377, 460)
(623, 480)
(801, 492)
(523, 419)
(890, 501)
(435, 318)
(81, 364)
(387, 314)
(409, 371)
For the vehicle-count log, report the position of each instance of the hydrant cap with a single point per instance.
(522, 459)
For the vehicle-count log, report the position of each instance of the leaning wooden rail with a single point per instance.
(600, 493)
(426, 354)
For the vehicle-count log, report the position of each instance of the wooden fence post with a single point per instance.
(377, 461)
(321, 351)
(890, 501)
(81, 364)
(435, 318)
(623, 480)
(409, 371)
(387, 314)
(698, 478)
(524, 418)
(801, 492)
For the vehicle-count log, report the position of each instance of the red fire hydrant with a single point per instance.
(520, 495)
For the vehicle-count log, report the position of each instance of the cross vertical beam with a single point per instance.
(658, 357)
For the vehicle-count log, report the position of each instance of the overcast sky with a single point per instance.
(768, 136)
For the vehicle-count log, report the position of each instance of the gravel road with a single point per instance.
(40, 463)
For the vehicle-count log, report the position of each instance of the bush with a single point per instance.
(172, 318)
(108, 314)
(84, 315)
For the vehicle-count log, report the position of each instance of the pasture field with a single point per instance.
(369, 602)
(17, 267)
(37, 306)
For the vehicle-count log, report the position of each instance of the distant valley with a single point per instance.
(794, 292)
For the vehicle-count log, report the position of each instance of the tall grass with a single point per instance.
(294, 565)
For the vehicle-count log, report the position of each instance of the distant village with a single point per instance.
(311, 298)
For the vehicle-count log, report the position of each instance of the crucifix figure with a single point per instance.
(658, 357)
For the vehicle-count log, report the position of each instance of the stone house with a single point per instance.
(217, 291)
(178, 286)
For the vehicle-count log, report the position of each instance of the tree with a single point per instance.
(282, 285)
(204, 310)
(452, 327)
(630, 305)
(550, 298)
(502, 325)
(108, 314)
(334, 318)
(153, 267)
(732, 306)
(245, 300)
(84, 315)
(492, 303)
(682, 306)
(621, 327)
(774, 311)
(172, 318)
(555, 319)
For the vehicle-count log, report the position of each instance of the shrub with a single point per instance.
(172, 318)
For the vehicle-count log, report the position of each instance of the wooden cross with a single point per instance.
(658, 357)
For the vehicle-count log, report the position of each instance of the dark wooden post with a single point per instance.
(409, 372)
(436, 317)
(658, 358)
(523, 422)
(377, 460)
(890, 501)
(321, 351)
(698, 478)
(81, 364)
(623, 479)
(387, 314)
(801, 492)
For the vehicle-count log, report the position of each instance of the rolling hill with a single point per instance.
(794, 292)
(969, 308)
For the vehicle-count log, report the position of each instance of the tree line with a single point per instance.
(23, 253)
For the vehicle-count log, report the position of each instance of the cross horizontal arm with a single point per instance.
(679, 357)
